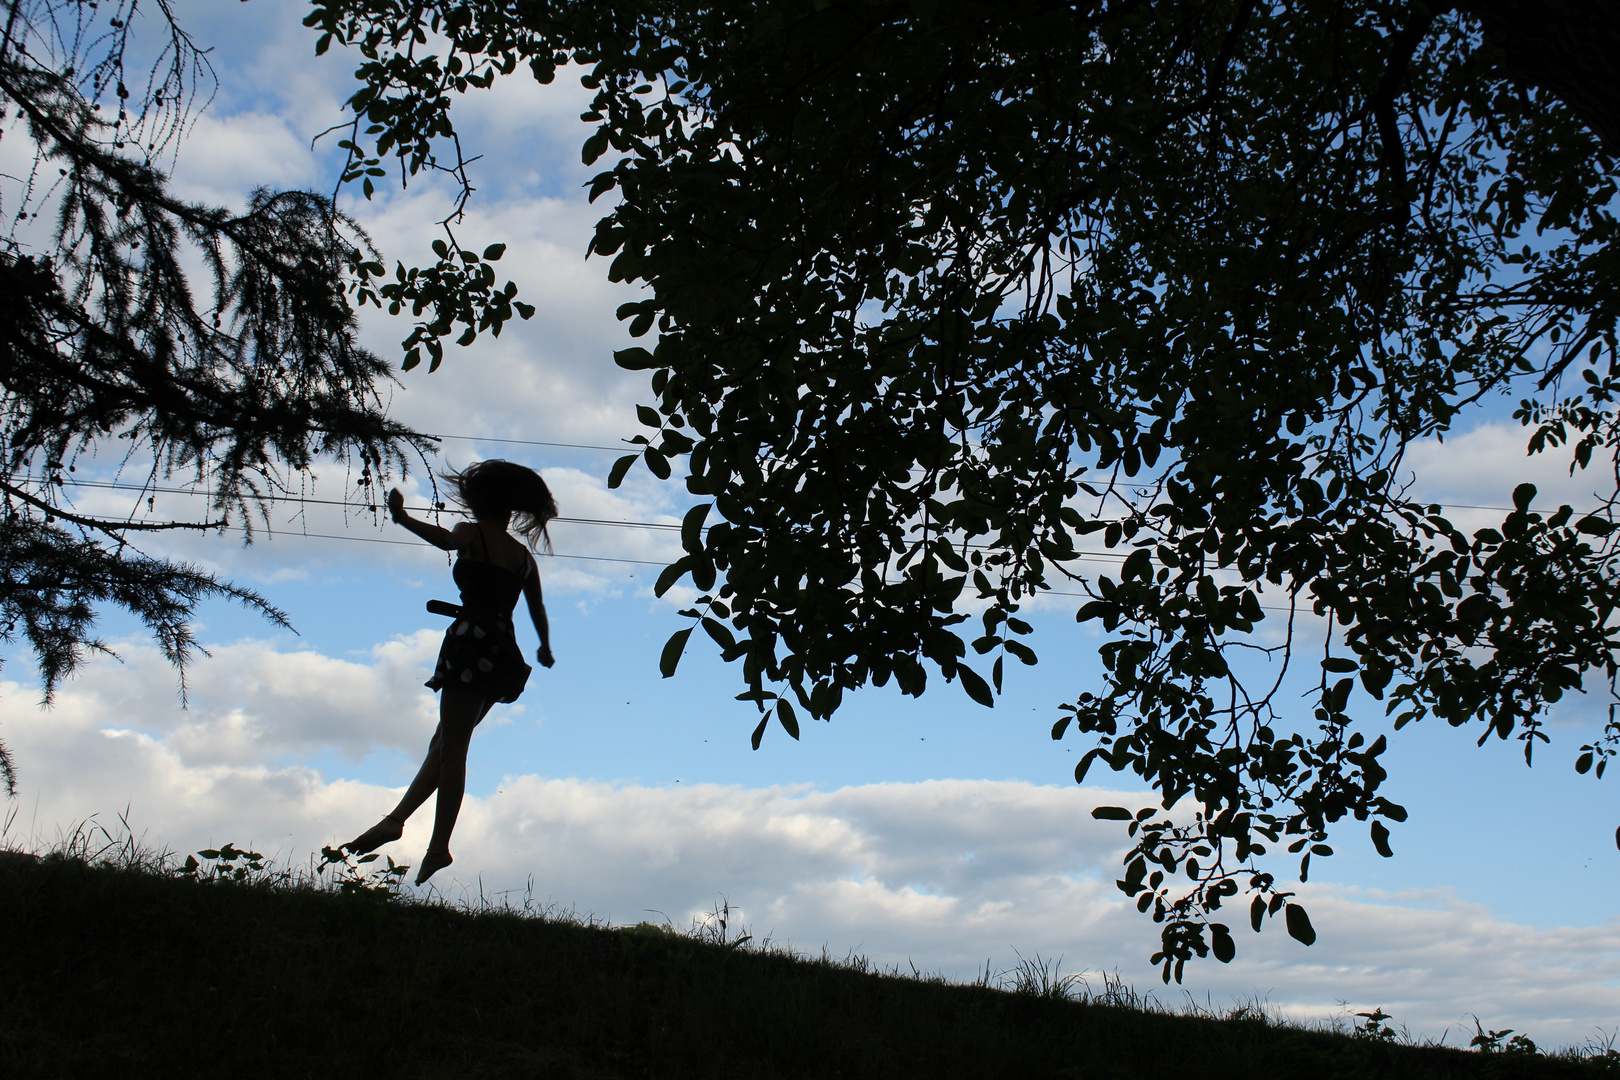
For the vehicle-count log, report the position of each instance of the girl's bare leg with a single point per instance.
(460, 709)
(425, 783)
(392, 826)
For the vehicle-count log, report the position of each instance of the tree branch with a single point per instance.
(109, 527)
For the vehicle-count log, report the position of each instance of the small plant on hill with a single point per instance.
(1601, 1053)
(347, 878)
(1042, 978)
(713, 928)
(1375, 1028)
(231, 863)
(348, 875)
(1492, 1042)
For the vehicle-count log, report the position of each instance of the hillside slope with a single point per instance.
(109, 971)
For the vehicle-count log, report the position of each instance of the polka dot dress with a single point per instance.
(480, 649)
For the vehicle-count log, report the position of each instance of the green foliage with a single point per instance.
(1374, 1027)
(1498, 1042)
(229, 863)
(458, 290)
(943, 298)
(382, 883)
(233, 864)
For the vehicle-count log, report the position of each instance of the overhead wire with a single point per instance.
(367, 507)
(1084, 556)
(412, 543)
(632, 448)
(533, 442)
(662, 526)
(658, 526)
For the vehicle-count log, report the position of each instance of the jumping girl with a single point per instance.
(480, 662)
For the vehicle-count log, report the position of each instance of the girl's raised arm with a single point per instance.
(448, 539)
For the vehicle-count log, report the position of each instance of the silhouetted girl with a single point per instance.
(480, 662)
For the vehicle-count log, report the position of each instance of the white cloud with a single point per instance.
(1481, 467)
(226, 157)
(250, 702)
(551, 378)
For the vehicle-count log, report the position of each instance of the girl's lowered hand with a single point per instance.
(544, 656)
(396, 504)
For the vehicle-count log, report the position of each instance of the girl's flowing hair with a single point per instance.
(495, 487)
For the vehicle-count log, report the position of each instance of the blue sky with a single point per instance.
(933, 831)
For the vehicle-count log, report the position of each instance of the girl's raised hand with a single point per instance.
(396, 504)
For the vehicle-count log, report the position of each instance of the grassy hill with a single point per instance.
(131, 967)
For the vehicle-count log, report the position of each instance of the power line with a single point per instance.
(303, 500)
(635, 449)
(1084, 556)
(658, 526)
(535, 442)
(417, 544)
(663, 526)
(1104, 557)
(1098, 557)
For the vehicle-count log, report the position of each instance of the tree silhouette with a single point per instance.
(942, 293)
(107, 349)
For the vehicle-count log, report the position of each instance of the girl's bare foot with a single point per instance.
(385, 831)
(432, 863)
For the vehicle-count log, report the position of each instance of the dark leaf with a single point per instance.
(692, 527)
(720, 633)
(1024, 653)
(975, 686)
(1221, 943)
(784, 714)
(1299, 925)
(594, 147)
(671, 574)
(620, 468)
(635, 359)
(672, 651)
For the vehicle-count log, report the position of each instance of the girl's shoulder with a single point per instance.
(463, 533)
(501, 549)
